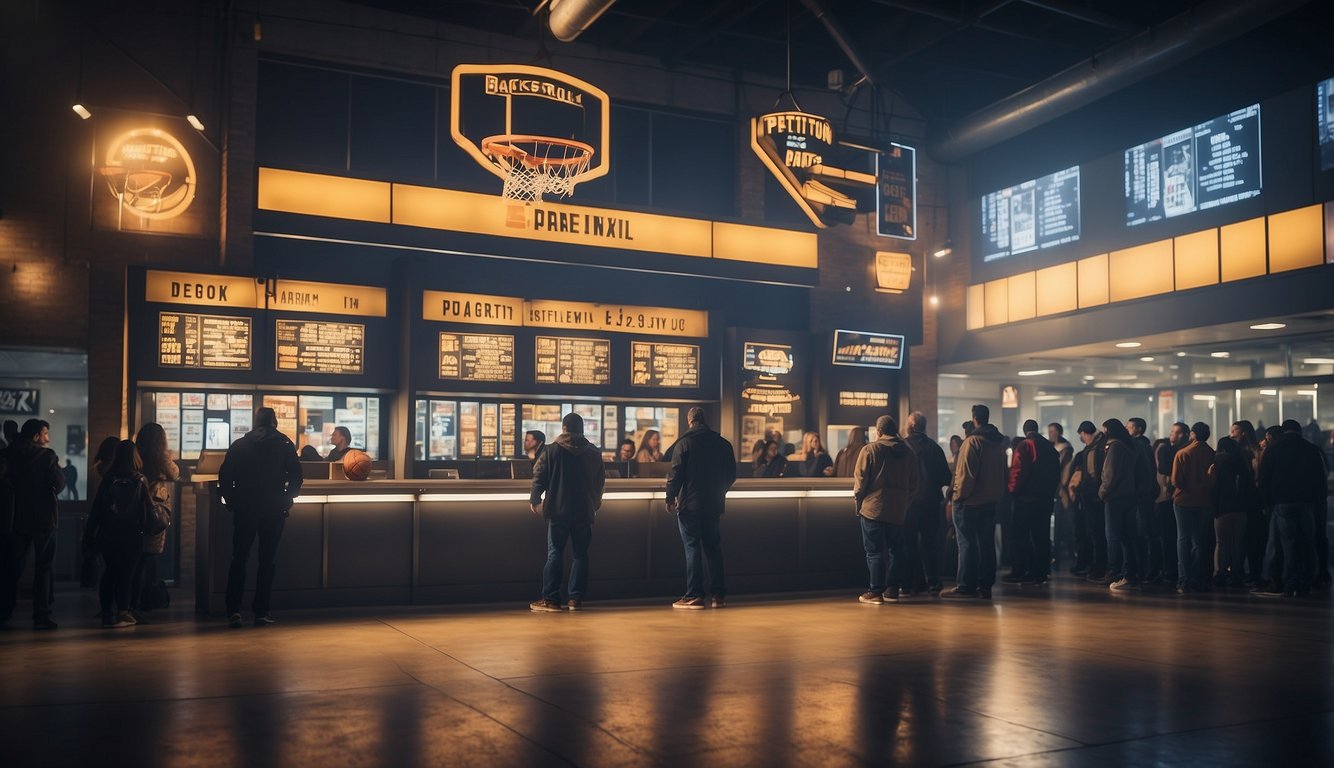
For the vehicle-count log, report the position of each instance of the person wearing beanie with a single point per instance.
(884, 482)
(1193, 503)
(1035, 473)
(979, 481)
(1119, 495)
(1090, 526)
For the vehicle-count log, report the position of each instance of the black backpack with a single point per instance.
(126, 511)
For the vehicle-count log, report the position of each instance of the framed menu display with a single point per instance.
(664, 364)
(188, 340)
(309, 346)
(569, 360)
(476, 356)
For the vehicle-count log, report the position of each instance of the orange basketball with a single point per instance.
(356, 465)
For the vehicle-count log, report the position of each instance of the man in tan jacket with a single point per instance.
(979, 480)
(1193, 502)
(884, 481)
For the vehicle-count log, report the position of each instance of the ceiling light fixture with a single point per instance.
(1268, 326)
(81, 111)
(1318, 361)
(1269, 392)
(1146, 359)
(1220, 354)
(1181, 354)
(1128, 344)
(945, 249)
(1307, 392)
(194, 122)
(1205, 398)
(1038, 372)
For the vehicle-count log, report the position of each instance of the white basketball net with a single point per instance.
(537, 166)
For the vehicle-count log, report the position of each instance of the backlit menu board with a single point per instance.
(665, 365)
(865, 349)
(1324, 125)
(1214, 163)
(476, 357)
(1041, 213)
(203, 341)
(566, 360)
(309, 346)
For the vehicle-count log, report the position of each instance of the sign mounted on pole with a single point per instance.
(896, 192)
(829, 180)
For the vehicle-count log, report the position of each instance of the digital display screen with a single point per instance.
(671, 366)
(770, 359)
(896, 192)
(476, 357)
(566, 360)
(868, 350)
(306, 346)
(1214, 163)
(203, 341)
(1042, 213)
(1324, 115)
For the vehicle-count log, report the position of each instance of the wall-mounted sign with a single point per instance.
(203, 341)
(668, 365)
(827, 179)
(319, 347)
(770, 359)
(22, 402)
(327, 298)
(893, 271)
(201, 290)
(563, 360)
(141, 177)
(477, 309)
(896, 192)
(863, 399)
(1009, 396)
(866, 349)
(476, 357)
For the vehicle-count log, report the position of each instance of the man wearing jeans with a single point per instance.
(703, 470)
(1193, 503)
(979, 479)
(884, 481)
(1119, 494)
(569, 473)
(1035, 471)
(1292, 483)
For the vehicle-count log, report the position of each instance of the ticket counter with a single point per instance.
(461, 541)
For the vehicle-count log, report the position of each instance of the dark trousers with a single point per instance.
(14, 551)
(1092, 541)
(1321, 522)
(1294, 525)
(975, 527)
(883, 543)
(121, 559)
(1064, 544)
(1194, 525)
(924, 534)
(1150, 541)
(579, 536)
(1257, 540)
(1031, 530)
(145, 573)
(268, 528)
(1123, 537)
(702, 539)
(1166, 519)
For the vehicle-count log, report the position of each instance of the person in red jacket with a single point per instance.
(1035, 473)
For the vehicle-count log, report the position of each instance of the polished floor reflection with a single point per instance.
(1068, 676)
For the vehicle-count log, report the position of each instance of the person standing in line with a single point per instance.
(1091, 521)
(1064, 540)
(1256, 534)
(342, 442)
(846, 460)
(106, 453)
(11, 432)
(1148, 541)
(702, 473)
(1193, 502)
(34, 473)
(1164, 453)
(1234, 488)
(1035, 474)
(116, 525)
(884, 482)
(1121, 496)
(979, 481)
(161, 474)
(259, 478)
(568, 473)
(926, 513)
(1293, 478)
(534, 440)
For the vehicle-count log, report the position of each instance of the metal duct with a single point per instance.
(840, 37)
(1142, 56)
(569, 18)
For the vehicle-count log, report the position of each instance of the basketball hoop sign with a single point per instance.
(540, 131)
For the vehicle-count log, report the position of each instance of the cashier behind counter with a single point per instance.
(342, 441)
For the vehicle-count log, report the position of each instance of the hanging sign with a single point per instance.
(896, 192)
(827, 179)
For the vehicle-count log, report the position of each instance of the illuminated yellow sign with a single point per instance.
(248, 293)
(864, 399)
(893, 271)
(477, 309)
(327, 298)
(799, 149)
(201, 290)
(150, 174)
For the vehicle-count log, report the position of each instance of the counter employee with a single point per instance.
(342, 440)
(534, 440)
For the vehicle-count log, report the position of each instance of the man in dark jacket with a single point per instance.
(1120, 495)
(703, 470)
(569, 473)
(884, 482)
(1035, 474)
(926, 514)
(1164, 512)
(1292, 482)
(258, 480)
(1090, 520)
(36, 480)
(1146, 496)
(979, 481)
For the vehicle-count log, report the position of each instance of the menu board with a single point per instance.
(309, 346)
(490, 429)
(1041, 213)
(509, 445)
(468, 429)
(476, 357)
(896, 192)
(868, 350)
(566, 360)
(664, 365)
(1211, 164)
(203, 341)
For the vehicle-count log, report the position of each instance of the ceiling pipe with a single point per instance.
(1146, 54)
(569, 18)
(841, 38)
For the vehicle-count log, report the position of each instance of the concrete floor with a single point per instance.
(1067, 676)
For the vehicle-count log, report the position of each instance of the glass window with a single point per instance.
(52, 386)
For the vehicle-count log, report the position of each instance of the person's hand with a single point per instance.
(828, 471)
(536, 508)
(671, 506)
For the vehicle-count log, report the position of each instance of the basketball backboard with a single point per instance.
(510, 117)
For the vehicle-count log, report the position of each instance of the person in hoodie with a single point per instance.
(1119, 493)
(1148, 540)
(36, 482)
(979, 481)
(1292, 484)
(702, 472)
(1090, 517)
(1257, 531)
(567, 491)
(1035, 473)
(1064, 535)
(1234, 490)
(1193, 502)
(259, 478)
(884, 482)
(925, 532)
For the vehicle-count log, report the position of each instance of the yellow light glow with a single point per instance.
(1093, 287)
(317, 194)
(1058, 289)
(1145, 270)
(1196, 259)
(1296, 239)
(1242, 249)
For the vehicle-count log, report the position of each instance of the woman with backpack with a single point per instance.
(116, 526)
(161, 473)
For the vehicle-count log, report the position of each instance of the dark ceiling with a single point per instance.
(947, 59)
